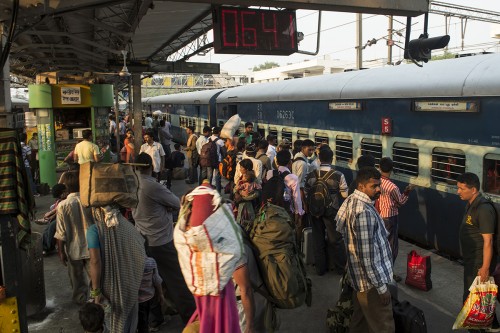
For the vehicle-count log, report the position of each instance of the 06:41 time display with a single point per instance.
(254, 31)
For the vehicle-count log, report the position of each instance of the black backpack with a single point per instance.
(408, 318)
(496, 207)
(274, 189)
(319, 198)
(209, 156)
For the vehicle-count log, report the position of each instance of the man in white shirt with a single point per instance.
(199, 143)
(271, 149)
(155, 150)
(86, 151)
(148, 121)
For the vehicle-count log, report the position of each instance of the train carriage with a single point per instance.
(187, 109)
(435, 122)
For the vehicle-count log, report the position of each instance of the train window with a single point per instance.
(447, 165)
(405, 158)
(273, 131)
(372, 147)
(302, 135)
(343, 148)
(286, 133)
(262, 131)
(321, 137)
(491, 172)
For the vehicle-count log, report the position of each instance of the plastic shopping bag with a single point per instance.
(479, 307)
(418, 271)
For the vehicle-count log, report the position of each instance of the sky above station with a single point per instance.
(338, 37)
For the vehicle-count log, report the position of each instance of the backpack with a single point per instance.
(319, 196)
(274, 190)
(280, 263)
(209, 156)
(408, 318)
(496, 237)
(227, 168)
(338, 318)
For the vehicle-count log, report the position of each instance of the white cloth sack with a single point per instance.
(230, 127)
(208, 254)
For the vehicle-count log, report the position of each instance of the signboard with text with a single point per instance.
(344, 106)
(447, 106)
(71, 95)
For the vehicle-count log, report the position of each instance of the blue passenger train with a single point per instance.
(435, 122)
(187, 109)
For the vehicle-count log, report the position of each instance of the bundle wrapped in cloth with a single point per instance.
(230, 127)
(104, 184)
(208, 241)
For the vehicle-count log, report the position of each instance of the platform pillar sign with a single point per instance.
(386, 126)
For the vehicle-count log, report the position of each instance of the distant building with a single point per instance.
(314, 67)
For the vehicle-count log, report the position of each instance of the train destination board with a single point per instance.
(344, 106)
(254, 31)
(447, 106)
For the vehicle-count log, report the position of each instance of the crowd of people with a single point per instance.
(132, 267)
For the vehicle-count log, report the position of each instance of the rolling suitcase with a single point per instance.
(307, 246)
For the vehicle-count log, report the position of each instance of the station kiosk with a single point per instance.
(62, 112)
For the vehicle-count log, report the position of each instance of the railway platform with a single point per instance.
(441, 304)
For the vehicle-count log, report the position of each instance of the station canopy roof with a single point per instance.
(87, 36)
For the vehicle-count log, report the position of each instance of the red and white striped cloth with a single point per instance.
(390, 198)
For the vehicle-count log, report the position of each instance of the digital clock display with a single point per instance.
(254, 31)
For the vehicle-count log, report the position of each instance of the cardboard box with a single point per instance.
(62, 135)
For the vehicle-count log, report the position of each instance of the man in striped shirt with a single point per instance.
(369, 258)
(387, 205)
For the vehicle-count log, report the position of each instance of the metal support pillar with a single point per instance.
(5, 103)
(359, 40)
(117, 120)
(12, 275)
(137, 107)
(390, 42)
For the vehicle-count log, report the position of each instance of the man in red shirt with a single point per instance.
(388, 203)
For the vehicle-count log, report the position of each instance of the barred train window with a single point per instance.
(320, 137)
(262, 131)
(273, 131)
(447, 165)
(343, 148)
(491, 174)
(405, 158)
(286, 133)
(372, 147)
(302, 135)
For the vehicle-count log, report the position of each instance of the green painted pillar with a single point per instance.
(102, 100)
(40, 100)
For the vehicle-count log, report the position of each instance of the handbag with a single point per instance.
(479, 308)
(418, 271)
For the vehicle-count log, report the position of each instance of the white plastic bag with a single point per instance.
(479, 307)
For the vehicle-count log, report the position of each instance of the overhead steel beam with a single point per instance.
(101, 25)
(200, 25)
(39, 47)
(477, 14)
(386, 7)
(72, 36)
